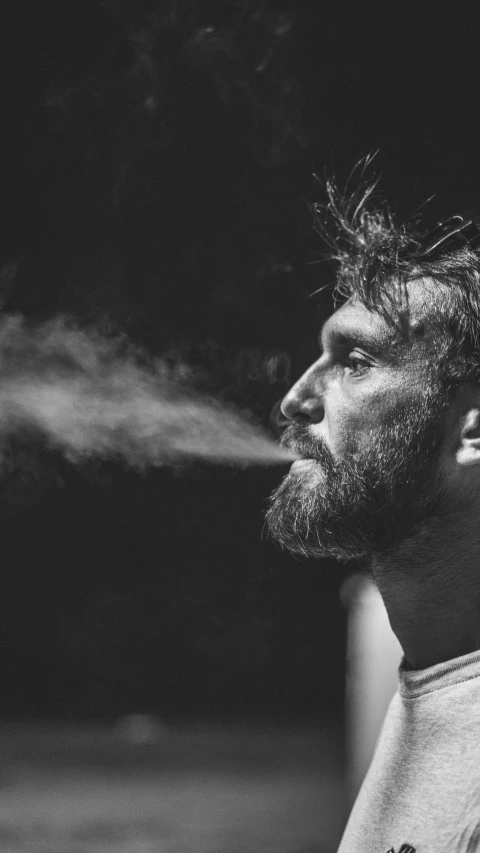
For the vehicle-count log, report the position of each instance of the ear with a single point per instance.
(468, 451)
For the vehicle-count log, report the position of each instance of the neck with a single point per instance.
(430, 585)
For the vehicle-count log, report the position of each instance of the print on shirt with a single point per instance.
(405, 848)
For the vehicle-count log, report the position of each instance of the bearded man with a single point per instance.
(387, 421)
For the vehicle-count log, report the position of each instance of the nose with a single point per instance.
(302, 404)
(278, 420)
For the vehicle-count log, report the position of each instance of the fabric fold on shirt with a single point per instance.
(422, 791)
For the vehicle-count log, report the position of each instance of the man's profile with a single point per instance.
(388, 422)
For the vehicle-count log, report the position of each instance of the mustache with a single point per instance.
(298, 438)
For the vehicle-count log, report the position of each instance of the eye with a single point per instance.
(357, 365)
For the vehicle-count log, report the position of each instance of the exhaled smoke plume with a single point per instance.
(91, 396)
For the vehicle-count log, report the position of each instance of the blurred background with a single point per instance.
(170, 679)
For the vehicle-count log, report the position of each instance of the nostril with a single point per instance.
(302, 418)
(278, 420)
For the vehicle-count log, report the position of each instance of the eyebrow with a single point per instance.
(380, 347)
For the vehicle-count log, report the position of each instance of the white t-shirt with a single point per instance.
(422, 791)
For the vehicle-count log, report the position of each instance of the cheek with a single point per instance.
(340, 429)
(352, 423)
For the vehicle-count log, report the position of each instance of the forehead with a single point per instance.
(354, 319)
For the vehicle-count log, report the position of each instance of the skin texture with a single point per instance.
(357, 379)
(366, 378)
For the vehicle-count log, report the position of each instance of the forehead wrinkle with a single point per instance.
(381, 342)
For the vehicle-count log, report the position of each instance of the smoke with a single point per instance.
(93, 396)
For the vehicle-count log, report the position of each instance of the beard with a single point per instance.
(375, 497)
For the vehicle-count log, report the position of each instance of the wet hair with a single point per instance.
(377, 255)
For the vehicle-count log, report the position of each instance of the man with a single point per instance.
(388, 422)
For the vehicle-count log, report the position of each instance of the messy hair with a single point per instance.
(376, 255)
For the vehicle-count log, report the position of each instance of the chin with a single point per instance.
(319, 551)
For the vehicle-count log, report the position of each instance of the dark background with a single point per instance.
(157, 161)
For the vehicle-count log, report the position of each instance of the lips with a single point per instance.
(302, 464)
